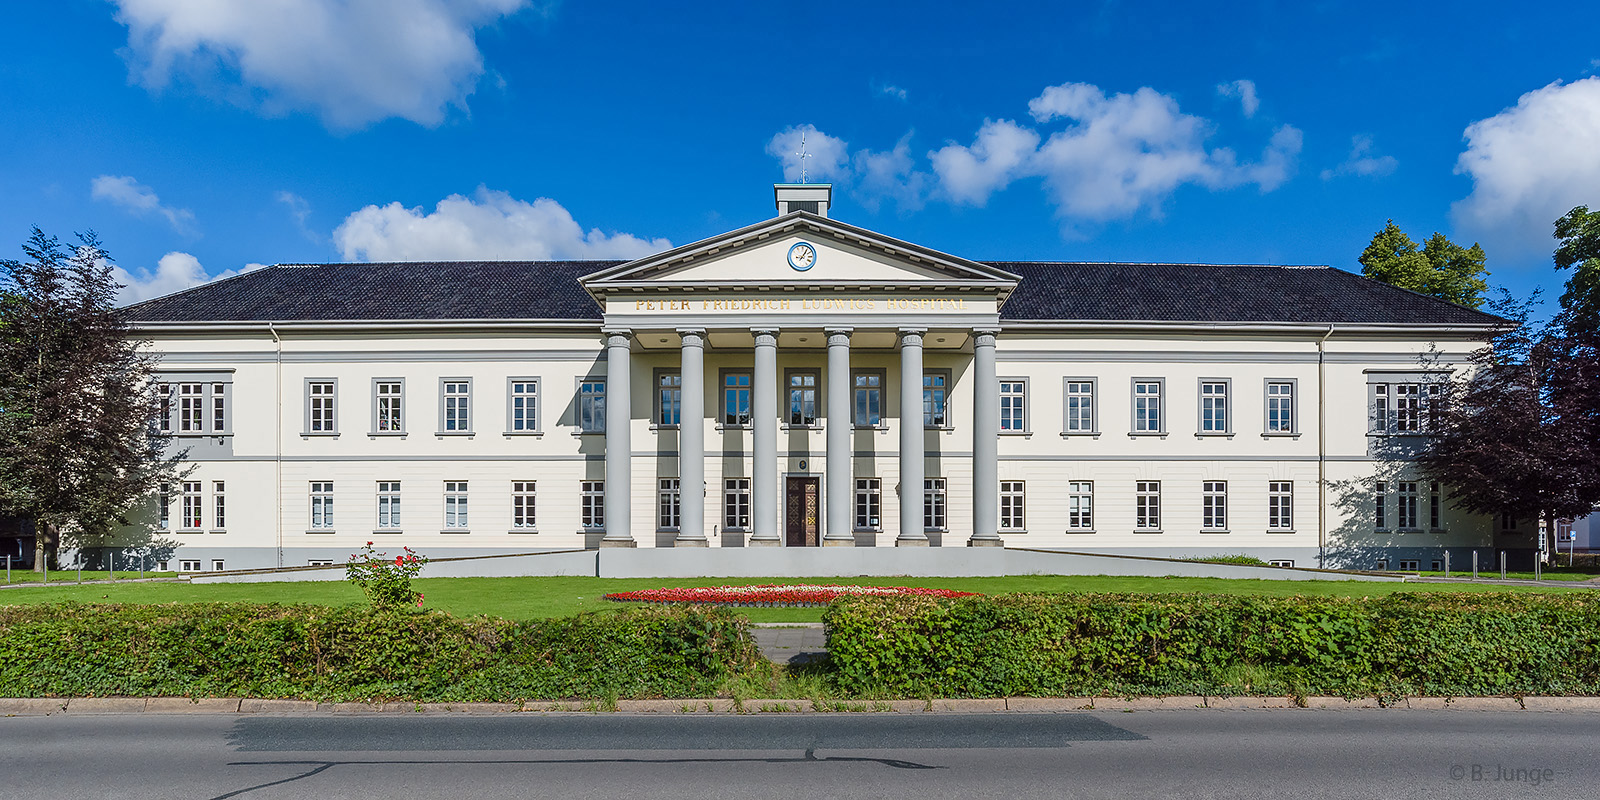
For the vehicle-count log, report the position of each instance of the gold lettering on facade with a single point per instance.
(809, 304)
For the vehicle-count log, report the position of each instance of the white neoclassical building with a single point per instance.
(803, 382)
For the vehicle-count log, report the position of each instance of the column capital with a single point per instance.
(838, 337)
(984, 337)
(692, 337)
(618, 337)
(765, 337)
(911, 336)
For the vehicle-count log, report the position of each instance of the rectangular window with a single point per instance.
(1080, 506)
(1147, 407)
(191, 509)
(321, 397)
(1383, 565)
(219, 408)
(933, 504)
(669, 504)
(219, 505)
(1380, 505)
(1277, 562)
(1410, 566)
(736, 398)
(1508, 522)
(1433, 402)
(1380, 408)
(319, 562)
(1280, 407)
(455, 505)
(1214, 407)
(1012, 506)
(188, 565)
(736, 504)
(388, 505)
(802, 399)
(669, 398)
(390, 410)
(1407, 408)
(869, 504)
(522, 405)
(1013, 406)
(593, 494)
(218, 565)
(868, 399)
(1280, 505)
(935, 399)
(322, 506)
(1435, 503)
(1214, 506)
(522, 505)
(191, 408)
(164, 500)
(1080, 406)
(592, 406)
(1406, 506)
(1147, 505)
(456, 406)
(164, 418)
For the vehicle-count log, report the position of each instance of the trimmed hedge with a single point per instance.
(364, 653)
(1089, 644)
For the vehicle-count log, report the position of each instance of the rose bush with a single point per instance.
(386, 582)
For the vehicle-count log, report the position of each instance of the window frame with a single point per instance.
(592, 506)
(333, 403)
(377, 416)
(1294, 406)
(870, 490)
(1280, 506)
(736, 503)
(457, 502)
(656, 404)
(1066, 406)
(396, 510)
(1213, 504)
(882, 389)
(323, 497)
(935, 504)
(524, 507)
(444, 412)
(669, 505)
(1015, 495)
(1027, 411)
(949, 386)
(1436, 507)
(722, 397)
(1151, 499)
(191, 498)
(219, 506)
(164, 507)
(599, 421)
(1161, 407)
(201, 406)
(1402, 495)
(786, 401)
(1380, 506)
(1200, 407)
(537, 424)
(1078, 491)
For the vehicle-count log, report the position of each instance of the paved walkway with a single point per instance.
(791, 642)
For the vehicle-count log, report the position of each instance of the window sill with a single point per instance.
(1280, 530)
(1213, 434)
(1147, 530)
(219, 530)
(866, 530)
(387, 532)
(1214, 530)
(468, 434)
(524, 433)
(523, 530)
(945, 428)
(1079, 530)
(191, 530)
(879, 427)
(1011, 531)
(1070, 434)
(197, 435)
(588, 433)
(1281, 435)
(1159, 434)
(308, 434)
(656, 426)
(935, 530)
(723, 426)
(1397, 434)
(400, 434)
(456, 530)
(321, 531)
(788, 426)
(1023, 434)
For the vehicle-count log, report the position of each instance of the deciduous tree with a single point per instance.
(1439, 268)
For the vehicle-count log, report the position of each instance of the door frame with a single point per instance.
(783, 507)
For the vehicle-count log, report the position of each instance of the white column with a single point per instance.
(619, 444)
(692, 441)
(764, 441)
(911, 439)
(840, 497)
(985, 439)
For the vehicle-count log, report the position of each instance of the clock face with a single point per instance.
(802, 256)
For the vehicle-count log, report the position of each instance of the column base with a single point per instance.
(618, 543)
(700, 542)
(764, 543)
(850, 542)
(986, 541)
(923, 542)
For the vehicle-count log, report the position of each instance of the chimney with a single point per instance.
(812, 197)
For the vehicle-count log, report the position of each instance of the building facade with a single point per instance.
(803, 382)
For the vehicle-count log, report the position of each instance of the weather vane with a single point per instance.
(803, 156)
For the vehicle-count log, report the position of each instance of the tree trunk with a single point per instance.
(42, 538)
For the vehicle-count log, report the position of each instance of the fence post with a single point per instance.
(1447, 563)
(1474, 564)
(1502, 565)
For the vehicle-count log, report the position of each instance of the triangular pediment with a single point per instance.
(773, 254)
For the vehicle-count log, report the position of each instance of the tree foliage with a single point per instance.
(77, 444)
(1439, 268)
(1579, 250)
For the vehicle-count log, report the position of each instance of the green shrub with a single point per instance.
(366, 653)
(1239, 559)
(1085, 644)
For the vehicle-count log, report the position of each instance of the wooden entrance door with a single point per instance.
(800, 504)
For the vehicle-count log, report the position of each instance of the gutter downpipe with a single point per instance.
(277, 440)
(1322, 450)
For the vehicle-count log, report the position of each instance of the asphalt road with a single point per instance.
(1303, 754)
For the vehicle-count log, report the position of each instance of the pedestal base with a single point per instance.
(701, 542)
(850, 542)
(911, 542)
(988, 542)
(764, 543)
(618, 543)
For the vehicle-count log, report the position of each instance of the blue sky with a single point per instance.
(202, 137)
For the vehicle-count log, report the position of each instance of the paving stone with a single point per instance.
(104, 705)
(1342, 703)
(18, 706)
(1484, 704)
(1426, 703)
(1149, 703)
(969, 705)
(1561, 703)
(186, 705)
(775, 706)
(655, 706)
(1250, 702)
(1049, 703)
(351, 708)
(270, 706)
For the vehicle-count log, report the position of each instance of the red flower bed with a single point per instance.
(772, 596)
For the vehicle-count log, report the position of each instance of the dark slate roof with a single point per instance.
(549, 290)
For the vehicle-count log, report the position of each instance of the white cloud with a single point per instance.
(140, 200)
(1245, 91)
(300, 210)
(174, 272)
(490, 225)
(1120, 154)
(1361, 162)
(826, 158)
(888, 175)
(1531, 163)
(352, 62)
(890, 90)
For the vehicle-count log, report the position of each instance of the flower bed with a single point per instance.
(775, 596)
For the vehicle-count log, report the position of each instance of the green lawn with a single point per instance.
(20, 575)
(526, 598)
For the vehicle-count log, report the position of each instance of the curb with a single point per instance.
(44, 706)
